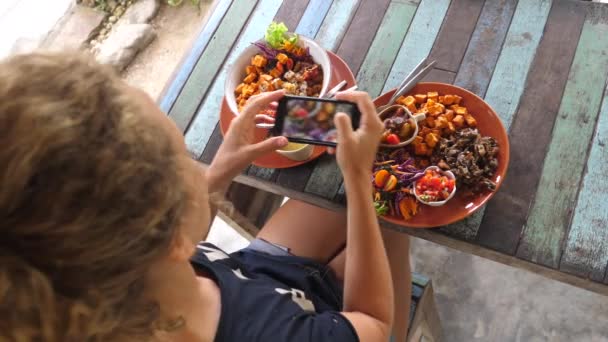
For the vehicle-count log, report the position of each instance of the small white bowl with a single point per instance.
(449, 174)
(299, 154)
(387, 113)
(236, 71)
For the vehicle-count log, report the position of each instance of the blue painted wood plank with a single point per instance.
(210, 63)
(418, 41)
(484, 48)
(586, 251)
(336, 23)
(186, 67)
(208, 115)
(384, 48)
(313, 17)
(550, 215)
(509, 77)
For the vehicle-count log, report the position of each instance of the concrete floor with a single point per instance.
(481, 300)
(28, 20)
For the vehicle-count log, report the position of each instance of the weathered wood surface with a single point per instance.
(531, 131)
(209, 64)
(336, 23)
(555, 198)
(590, 221)
(419, 40)
(541, 64)
(173, 88)
(503, 86)
(384, 48)
(454, 35)
(484, 48)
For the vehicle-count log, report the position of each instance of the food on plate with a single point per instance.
(471, 157)
(281, 64)
(393, 175)
(398, 127)
(434, 186)
(447, 138)
(444, 114)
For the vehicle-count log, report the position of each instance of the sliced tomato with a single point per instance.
(392, 139)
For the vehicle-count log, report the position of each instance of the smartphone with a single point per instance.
(310, 120)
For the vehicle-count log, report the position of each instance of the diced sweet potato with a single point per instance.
(433, 95)
(457, 99)
(239, 88)
(458, 121)
(429, 121)
(412, 108)
(424, 131)
(421, 149)
(454, 106)
(410, 103)
(409, 100)
(470, 120)
(430, 102)
(282, 58)
(436, 131)
(441, 107)
(448, 99)
(250, 69)
(440, 99)
(461, 110)
(417, 140)
(259, 61)
(266, 77)
(431, 140)
(449, 114)
(441, 122)
(250, 78)
(275, 73)
(451, 128)
(420, 98)
(434, 110)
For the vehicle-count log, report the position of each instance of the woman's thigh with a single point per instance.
(307, 230)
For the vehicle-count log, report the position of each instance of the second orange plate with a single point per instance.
(275, 160)
(489, 124)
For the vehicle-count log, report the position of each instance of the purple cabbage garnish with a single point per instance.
(267, 51)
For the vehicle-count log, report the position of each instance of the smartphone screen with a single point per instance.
(311, 120)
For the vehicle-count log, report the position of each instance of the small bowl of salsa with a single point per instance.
(436, 187)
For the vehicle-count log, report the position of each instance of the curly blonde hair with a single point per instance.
(91, 198)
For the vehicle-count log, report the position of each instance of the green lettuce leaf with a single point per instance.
(276, 35)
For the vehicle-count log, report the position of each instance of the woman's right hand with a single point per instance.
(356, 150)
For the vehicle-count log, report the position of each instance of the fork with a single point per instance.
(409, 82)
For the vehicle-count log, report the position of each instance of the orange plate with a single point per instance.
(275, 160)
(489, 124)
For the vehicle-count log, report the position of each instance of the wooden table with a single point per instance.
(541, 64)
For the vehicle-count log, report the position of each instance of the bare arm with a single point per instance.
(367, 280)
(368, 291)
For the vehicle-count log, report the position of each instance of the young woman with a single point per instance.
(102, 210)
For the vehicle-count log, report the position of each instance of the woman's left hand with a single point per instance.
(238, 149)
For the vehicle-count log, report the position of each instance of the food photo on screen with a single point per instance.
(312, 120)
